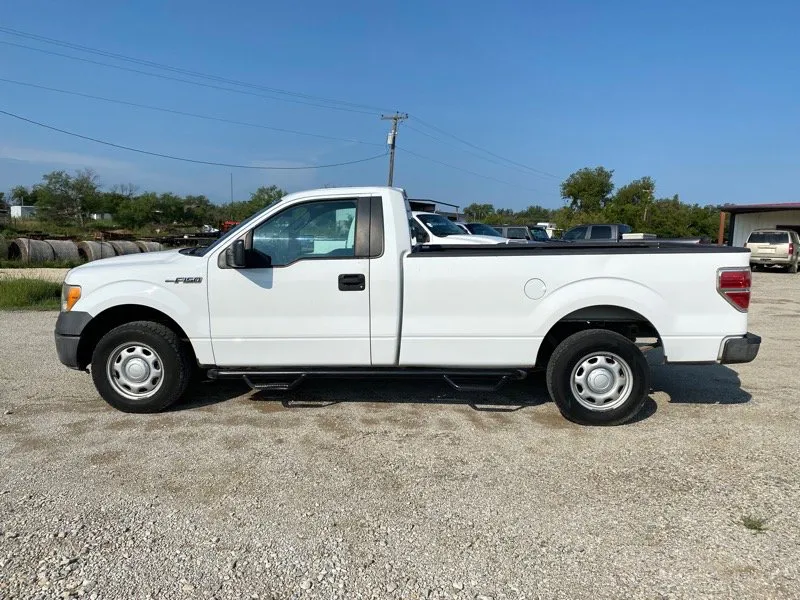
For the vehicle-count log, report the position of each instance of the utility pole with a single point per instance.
(231, 186)
(395, 119)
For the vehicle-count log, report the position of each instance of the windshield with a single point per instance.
(438, 225)
(231, 232)
(481, 229)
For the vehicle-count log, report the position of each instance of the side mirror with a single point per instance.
(235, 255)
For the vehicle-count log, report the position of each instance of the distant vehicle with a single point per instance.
(774, 247)
(524, 232)
(433, 228)
(479, 229)
(228, 225)
(602, 232)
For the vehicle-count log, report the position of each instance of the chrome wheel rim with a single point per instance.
(601, 381)
(135, 371)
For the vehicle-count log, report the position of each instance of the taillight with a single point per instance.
(734, 285)
(791, 249)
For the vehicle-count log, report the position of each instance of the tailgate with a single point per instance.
(769, 250)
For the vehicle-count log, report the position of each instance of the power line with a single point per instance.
(448, 165)
(178, 79)
(182, 159)
(294, 97)
(198, 74)
(184, 113)
(451, 145)
(476, 147)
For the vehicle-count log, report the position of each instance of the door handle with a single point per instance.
(352, 282)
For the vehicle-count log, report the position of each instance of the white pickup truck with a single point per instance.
(329, 282)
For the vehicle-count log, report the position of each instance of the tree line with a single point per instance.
(71, 199)
(589, 195)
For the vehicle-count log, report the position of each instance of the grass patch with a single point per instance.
(754, 524)
(15, 263)
(29, 294)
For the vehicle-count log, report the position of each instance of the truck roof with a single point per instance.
(342, 191)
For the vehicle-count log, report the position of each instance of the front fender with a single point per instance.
(186, 304)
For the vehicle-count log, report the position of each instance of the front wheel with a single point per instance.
(140, 367)
(598, 377)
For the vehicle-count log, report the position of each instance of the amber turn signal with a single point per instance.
(70, 294)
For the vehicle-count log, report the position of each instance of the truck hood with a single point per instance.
(133, 260)
(145, 266)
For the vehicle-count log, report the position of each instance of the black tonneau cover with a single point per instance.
(550, 248)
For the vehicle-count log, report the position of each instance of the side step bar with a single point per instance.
(283, 380)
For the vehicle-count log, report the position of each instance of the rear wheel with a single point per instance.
(793, 267)
(140, 367)
(598, 377)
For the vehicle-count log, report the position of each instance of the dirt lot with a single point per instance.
(409, 490)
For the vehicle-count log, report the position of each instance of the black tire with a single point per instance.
(163, 357)
(793, 267)
(624, 368)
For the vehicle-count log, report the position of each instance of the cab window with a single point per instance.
(324, 229)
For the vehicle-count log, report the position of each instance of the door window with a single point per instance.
(517, 233)
(324, 229)
(600, 232)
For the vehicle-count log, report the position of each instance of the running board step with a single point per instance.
(283, 380)
(476, 387)
(274, 386)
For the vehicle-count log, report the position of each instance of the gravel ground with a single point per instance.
(402, 490)
(56, 275)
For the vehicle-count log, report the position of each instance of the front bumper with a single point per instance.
(740, 349)
(69, 327)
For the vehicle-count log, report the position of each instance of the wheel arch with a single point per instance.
(114, 316)
(612, 317)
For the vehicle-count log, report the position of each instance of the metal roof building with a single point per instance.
(746, 218)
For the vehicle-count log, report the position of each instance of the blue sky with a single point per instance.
(701, 96)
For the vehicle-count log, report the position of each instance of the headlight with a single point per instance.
(70, 294)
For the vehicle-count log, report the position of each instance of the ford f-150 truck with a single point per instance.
(361, 298)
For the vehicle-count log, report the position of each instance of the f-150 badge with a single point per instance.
(184, 280)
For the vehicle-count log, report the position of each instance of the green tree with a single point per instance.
(479, 212)
(588, 189)
(535, 214)
(198, 210)
(139, 211)
(23, 196)
(116, 196)
(265, 196)
(64, 199)
(631, 203)
(169, 208)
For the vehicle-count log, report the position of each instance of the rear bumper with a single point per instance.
(740, 349)
(770, 260)
(69, 327)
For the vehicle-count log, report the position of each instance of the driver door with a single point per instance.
(303, 297)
